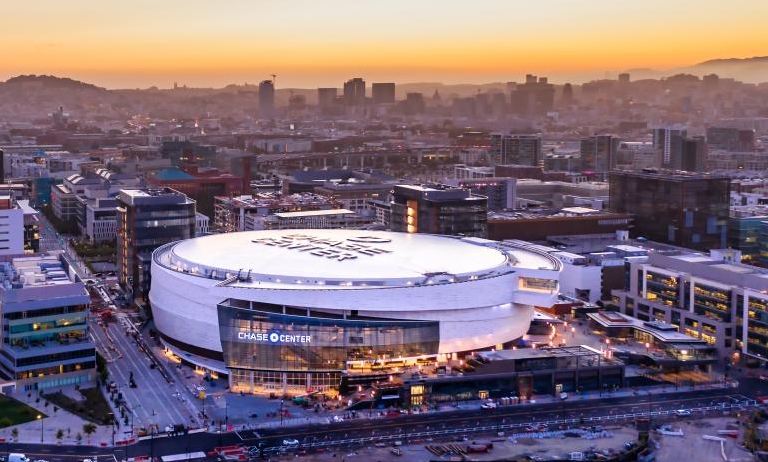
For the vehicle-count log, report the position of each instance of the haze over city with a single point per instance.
(310, 44)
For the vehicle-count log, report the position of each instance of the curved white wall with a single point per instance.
(473, 315)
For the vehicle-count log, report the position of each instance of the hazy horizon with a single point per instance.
(322, 44)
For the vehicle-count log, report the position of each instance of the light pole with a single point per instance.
(112, 419)
(42, 426)
(373, 399)
(281, 412)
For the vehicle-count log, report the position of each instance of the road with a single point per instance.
(414, 428)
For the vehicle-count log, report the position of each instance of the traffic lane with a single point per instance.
(152, 400)
(467, 418)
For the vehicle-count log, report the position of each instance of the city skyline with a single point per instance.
(308, 44)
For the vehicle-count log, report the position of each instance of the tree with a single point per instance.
(89, 429)
(5, 422)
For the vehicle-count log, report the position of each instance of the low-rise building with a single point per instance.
(44, 341)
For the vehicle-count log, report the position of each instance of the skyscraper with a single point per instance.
(535, 96)
(354, 92)
(383, 93)
(266, 98)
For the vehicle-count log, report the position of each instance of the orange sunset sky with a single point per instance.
(310, 43)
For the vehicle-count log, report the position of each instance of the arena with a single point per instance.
(296, 309)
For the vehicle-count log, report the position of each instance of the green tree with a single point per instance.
(89, 429)
(5, 422)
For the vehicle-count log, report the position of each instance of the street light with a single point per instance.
(281, 412)
(42, 427)
(373, 400)
(112, 419)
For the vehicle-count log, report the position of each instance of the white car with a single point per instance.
(682, 412)
(290, 442)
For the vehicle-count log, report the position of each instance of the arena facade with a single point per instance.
(297, 309)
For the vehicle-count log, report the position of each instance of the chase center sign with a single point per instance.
(274, 337)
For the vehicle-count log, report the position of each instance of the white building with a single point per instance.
(298, 308)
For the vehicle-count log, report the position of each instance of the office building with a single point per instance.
(500, 192)
(354, 92)
(147, 219)
(730, 139)
(326, 99)
(266, 98)
(683, 209)
(509, 149)
(383, 93)
(45, 342)
(534, 97)
(710, 297)
(286, 311)
(438, 209)
(678, 151)
(12, 227)
(598, 154)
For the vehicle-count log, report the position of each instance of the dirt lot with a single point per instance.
(690, 447)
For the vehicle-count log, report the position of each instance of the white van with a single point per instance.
(17, 457)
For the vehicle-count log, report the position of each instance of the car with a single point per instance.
(291, 442)
(682, 412)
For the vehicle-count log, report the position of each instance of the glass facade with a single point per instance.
(757, 325)
(685, 210)
(264, 337)
(146, 220)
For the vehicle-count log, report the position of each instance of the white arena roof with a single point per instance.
(353, 255)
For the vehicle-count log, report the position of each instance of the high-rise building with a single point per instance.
(147, 219)
(44, 339)
(354, 92)
(383, 93)
(326, 97)
(669, 141)
(438, 209)
(693, 154)
(684, 209)
(598, 153)
(266, 98)
(414, 103)
(509, 149)
(535, 96)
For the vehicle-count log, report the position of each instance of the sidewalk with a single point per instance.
(44, 430)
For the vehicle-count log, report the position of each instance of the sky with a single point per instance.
(317, 43)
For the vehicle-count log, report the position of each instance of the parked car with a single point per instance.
(682, 412)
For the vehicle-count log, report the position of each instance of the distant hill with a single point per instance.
(51, 82)
(748, 70)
